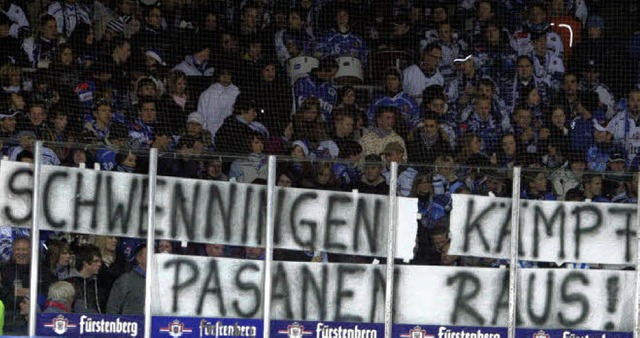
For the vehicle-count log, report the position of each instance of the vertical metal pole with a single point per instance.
(636, 307)
(514, 266)
(151, 221)
(391, 250)
(268, 257)
(35, 240)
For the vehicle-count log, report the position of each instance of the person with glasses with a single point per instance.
(417, 77)
(85, 281)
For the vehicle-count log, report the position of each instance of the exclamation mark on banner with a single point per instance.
(613, 289)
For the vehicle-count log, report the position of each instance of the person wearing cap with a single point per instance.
(625, 126)
(372, 181)
(127, 294)
(216, 103)
(319, 85)
(417, 77)
(195, 128)
(547, 64)
(197, 62)
(395, 96)
(591, 82)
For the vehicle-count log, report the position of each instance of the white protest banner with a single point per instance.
(550, 231)
(112, 203)
(549, 298)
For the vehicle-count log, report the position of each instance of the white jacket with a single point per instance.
(215, 104)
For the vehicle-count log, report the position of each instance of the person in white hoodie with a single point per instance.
(216, 103)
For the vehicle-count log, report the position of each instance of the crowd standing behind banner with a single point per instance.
(553, 86)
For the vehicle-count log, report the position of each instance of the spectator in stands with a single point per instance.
(347, 171)
(295, 40)
(452, 47)
(10, 45)
(448, 119)
(536, 186)
(401, 37)
(464, 87)
(177, 101)
(11, 79)
(232, 136)
(218, 101)
(591, 83)
(84, 44)
(348, 100)
(568, 96)
(340, 133)
(599, 154)
(324, 177)
(213, 171)
(64, 68)
(431, 210)
(583, 126)
(40, 50)
(565, 25)
(27, 140)
(614, 184)
(141, 130)
(592, 188)
(537, 26)
(308, 126)
(60, 298)
(96, 127)
(497, 57)
(514, 91)
(508, 155)
(417, 77)
(596, 47)
(273, 95)
(68, 14)
(372, 181)
(445, 180)
(341, 40)
(470, 153)
(127, 295)
(8, 125)
(394, 96)
(254, 166)
(195, 128)
(114, 264)
(250, 63)
(624, 127)
(481, 123)
(15, 281)
(197, 62)
(57, 264)
(215, 250)
(427, 141)
(395, 152)
(85, 281)
(485, 13)
(164, 246)
(153, 36)
(318, 84)
(382, 132)
(547, 65)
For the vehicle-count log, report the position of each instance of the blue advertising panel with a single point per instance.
(301, 329)
(94, 325)
(205, 327)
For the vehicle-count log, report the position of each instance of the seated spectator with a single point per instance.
(213, 171)
(273, 95)
(15, 279)
(35, 120)
(341, 40)
(60, 298)
(195, 128)
(57, 264)
(85, 281)
(309, 127)
(394, 152)
(127, 295)
(318, 85)
(8, 125)
(346, 171)
(341, 134)
(624, 128)
(427, 141)
(197, 62)
(382, 133)
(417, 77)
(233, 133)
(470, 154)
(141, 130)
(254, 166)
(444, 178)
(481, 123)
(536, 186)
(217, 102)
(372, 181)
(394, 96)
(453, 47)
(165, 246)
(96, 127)
(296, 39)
(26, 140)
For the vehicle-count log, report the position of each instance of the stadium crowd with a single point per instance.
(457, 92)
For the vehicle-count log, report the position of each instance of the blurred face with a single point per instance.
(8, 123)
(540, 45)
(66, 57)
(310, 114)
(214, 250)
(424, 187)
(484, 11)
(123, 52)
(439, 14)
(540, 182)
(21, 252)
(558, 118)
(4, 30)
(617, 166)
(445, 32)
(297, 152)
(492, 34)
(344, 126)
(595, 186)
(37, 115)
(49, 30)
(485, 91)
(141, 257)
(342, 18)
(394, 156)
(155, 18)
(523, 118)
(475, 145)
(65, 258)
(386, 120)
(349, 98)
(269, 73)
(93, 266)
(250, 17)
(538, 15)
(372, 172)
(524, 69)
(284, 181)
(194, 128)
(130, 161)
(79, 156)
(295, 22)
(509, 145)
(594, 32)
(214, 169)
(257, 146)
(110, 243)
(103, 114)
(211, 23)
(225, 79)
(482, 108)
(437, 105)
(181, 86)
(570, 84)
(393, 83)
(431, 59)
(162, 142)
(148, 112)
(431, 128)
(634, 102)
(534, 98)
(60, 122)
